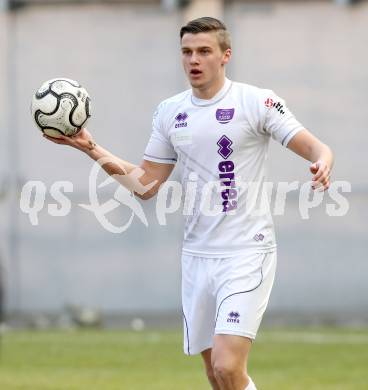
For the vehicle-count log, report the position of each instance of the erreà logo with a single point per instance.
(225, 115)
(233, 317)
(181, 120)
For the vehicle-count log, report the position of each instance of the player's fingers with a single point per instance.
(317, 183)
(323, 177)
(316, 186)
(49, 138)
(314, 168)
(326, 178)
(321, 186)
(322, 170)
(55, 140)
(64, 138)
(322, 182)
(325, 186)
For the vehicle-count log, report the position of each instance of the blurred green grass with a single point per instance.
(117, 360)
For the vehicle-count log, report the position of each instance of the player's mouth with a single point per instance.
(195, 73)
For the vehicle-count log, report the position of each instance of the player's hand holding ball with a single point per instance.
(82, 140)
(61, 108)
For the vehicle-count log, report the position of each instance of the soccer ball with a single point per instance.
(60, 107)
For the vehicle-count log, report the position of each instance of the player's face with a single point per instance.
(203, 59)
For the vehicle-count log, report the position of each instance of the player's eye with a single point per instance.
(205, 51)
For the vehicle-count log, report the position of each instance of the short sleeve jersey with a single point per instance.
(220, 149)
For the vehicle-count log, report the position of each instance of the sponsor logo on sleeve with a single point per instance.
(277, 105)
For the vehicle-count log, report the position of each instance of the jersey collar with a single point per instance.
(217, 98)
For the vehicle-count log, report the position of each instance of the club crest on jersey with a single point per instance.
(225, 115)
(181, 120)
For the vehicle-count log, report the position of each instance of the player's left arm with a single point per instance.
(306, 145)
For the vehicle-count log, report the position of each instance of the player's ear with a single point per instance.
(226, 56)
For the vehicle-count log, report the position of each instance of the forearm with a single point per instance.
(311, 148)
(144, 180)
(109, 162)
(321, 152)
(137, 181)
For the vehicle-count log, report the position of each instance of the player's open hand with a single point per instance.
(321, 178)
(82, 140)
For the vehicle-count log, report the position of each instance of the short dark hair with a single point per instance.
(208, 24)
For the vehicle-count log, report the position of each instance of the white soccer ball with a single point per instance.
(61, 107)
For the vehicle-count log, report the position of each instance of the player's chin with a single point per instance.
(195, 83)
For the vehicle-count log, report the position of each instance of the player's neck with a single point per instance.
(207, 92)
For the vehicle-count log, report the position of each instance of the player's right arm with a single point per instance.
(153, 174)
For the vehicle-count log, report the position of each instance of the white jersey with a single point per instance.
(220, 148)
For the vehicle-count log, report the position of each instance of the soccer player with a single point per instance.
(219, 131)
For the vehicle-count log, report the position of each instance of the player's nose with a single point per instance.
(194, 59)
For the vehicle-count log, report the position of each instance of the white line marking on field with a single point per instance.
(313, 338)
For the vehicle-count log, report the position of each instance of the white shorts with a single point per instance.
(224, 296)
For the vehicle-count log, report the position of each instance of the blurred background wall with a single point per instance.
(312, 53)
